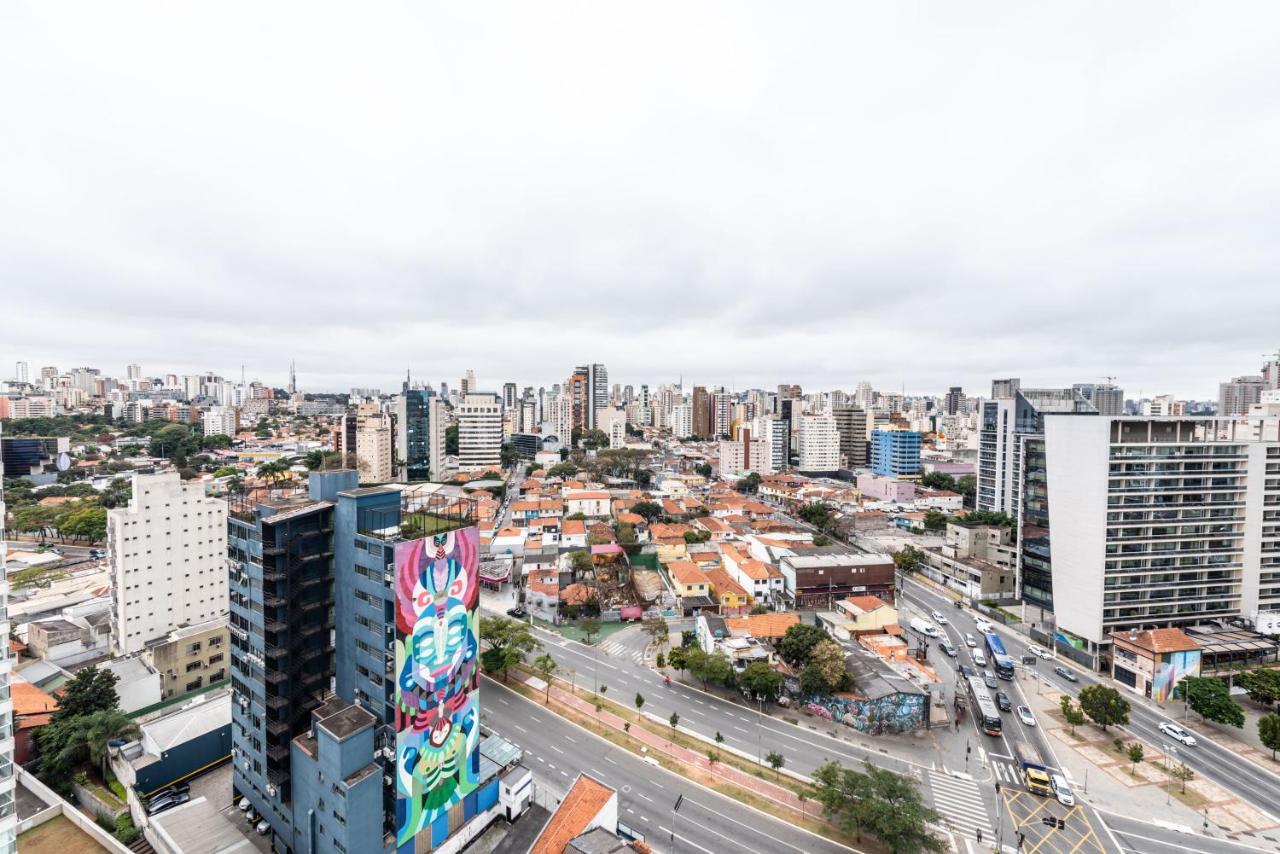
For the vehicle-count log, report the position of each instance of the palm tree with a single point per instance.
(92, 736)
(273, 471)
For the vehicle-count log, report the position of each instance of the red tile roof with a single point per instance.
(579, 808)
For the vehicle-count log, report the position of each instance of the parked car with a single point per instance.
(177, 789)
(979, 658)
(1024, 715)
(1065, 673)
(990, 679)
(263, 827)
(1177, 733)
(1002, 700)
(969, 641)
(517, 612)
(1062, 790)
(168, 803)
(950, 650)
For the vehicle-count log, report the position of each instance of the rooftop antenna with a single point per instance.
(1110, 380)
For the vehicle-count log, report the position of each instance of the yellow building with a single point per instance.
(689, 581)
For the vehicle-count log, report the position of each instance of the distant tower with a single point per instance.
(293, 377)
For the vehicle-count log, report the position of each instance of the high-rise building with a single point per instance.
(168, 554)
(895, 453)
(509, 396)
(597, 392)
(682, 421)
(280, 552)
(133, 372)
(479, 431)
(1161, 522)
(293, 377)
(8, 779)
(1236, 396)
(819, 444)
(703, 423)
(368, 437)
(721, 413)
(646, 416)
(953, 401)
(220, 420)
(851, 424)
(1271, 373)
(419, 434)
(20, 372)
(468, 383)
(1006, 421)
(748, 453)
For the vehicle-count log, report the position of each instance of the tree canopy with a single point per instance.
(798, 642)
(877, 801)
(760, 681)
(1104, 705)
(507, 642)
(1262, 684)
(1211, 699)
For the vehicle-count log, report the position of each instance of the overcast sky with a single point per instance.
(917, 195)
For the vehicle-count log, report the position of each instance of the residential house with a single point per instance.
(718, 529)
(732, 596)
(573, 534)
(585, 821)
(190, 658)
(770, 627)
(32, 709)
(542, 594)
(764, 582)
(1151, 663)
(589, 502)
(716, 637)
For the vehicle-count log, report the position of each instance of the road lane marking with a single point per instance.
(503, 702)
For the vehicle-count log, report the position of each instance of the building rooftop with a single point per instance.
(579, 808)
(1158, 640)
(346, 722)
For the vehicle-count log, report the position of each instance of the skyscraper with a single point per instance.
(895, 453)
(168, 554)
(280, 551)
(851, 424)
(508, 396)
(419, 434)
(468, 383)
(954, 400)
(703, 424)
(20, 372)
(293, 377)
(479, 431)
(819, 444)
(595, 381)
(1237, 395)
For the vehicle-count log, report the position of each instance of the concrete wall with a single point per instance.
(57, 806)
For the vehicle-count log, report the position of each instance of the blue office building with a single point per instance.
(895, 453)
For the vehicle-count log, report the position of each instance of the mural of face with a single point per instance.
(437, 648)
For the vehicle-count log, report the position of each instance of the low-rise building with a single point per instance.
(593, 503)
(1151, 663)
(731, 596)
(190, 658)
(821, 580)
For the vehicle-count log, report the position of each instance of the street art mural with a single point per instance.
(1172, 669)
(437, 704)
(891, 714)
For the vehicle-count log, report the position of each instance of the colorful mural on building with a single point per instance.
(437, 704)
(1172, 668)
(893, 713)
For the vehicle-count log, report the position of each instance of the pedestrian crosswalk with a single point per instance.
(617, 650)
(961, 805)
(1006, 773)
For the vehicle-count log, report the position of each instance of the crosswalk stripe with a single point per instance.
(960, 803)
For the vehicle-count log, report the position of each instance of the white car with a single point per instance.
(984, 626)
(1038, 651)
(1177, 733)
(1062, 790)
(1024, 715)
(938, 618)
(969, 641)
(979, 658)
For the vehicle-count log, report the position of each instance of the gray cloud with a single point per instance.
(916, 195)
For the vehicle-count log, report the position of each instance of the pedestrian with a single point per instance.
(979, 832)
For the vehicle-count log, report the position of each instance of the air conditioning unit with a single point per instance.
(271, 790)
(386, 779)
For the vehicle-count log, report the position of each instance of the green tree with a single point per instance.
(1104, 705)
(649, 510)
(967, 486)
(658, 631)
(705, 470)
(776, 760)
(1182, 774)
(506, 644)
(1262, 684)
(712, 758)
(760, 681)
(1071, 713)
(545, 665)
(639, 701)
(750, 483)
(1211, 699)
(562, 470)
(215, 442)
(229, 471)
(1136, 754)
(827, 659)
(674, 720)
(710, 669)
(91, 690)
(580, 564)
(84, 523)
(798, 642)
(71, 743)
(1269, 733)
(590, 627)
(676, 659)
(879, 801)
(935, 520)
(818, 514)
(273, 471)
(907, 559)
(938, 480)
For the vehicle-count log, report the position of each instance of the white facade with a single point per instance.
(682, 421)
(168, 556)
(8, 777)
(819, 443)
(479, 431)
(743, 456)
(221, 420)
(1162, 522)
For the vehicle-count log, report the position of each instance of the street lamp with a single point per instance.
(1169, 752)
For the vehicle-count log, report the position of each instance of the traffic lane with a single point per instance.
(708, 714)
(646, 793)
(1135, 835)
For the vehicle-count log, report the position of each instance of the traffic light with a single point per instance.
(997, 787)
(1061, 824)
(1048, 821)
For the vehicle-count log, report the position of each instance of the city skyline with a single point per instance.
(849, 192)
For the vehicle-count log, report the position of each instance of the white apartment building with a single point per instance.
(221, 420)
(612, 421)
(682, 421)
(747, 454)
(819, 443)
(1161, 522)
(8, 779)
(480, 431)
(168, 555)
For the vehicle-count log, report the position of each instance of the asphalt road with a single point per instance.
(557, 750)
(1131, 836)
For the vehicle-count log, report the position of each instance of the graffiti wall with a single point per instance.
(437, 704)
(890, 714)
(1172, 669)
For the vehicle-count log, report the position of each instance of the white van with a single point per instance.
(1062, 790)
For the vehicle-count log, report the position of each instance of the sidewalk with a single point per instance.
(1102, 777)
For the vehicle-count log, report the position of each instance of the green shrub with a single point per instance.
(118, 791)
(106, 822)
(125, 830)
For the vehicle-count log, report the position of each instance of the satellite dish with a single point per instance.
(64, 461)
